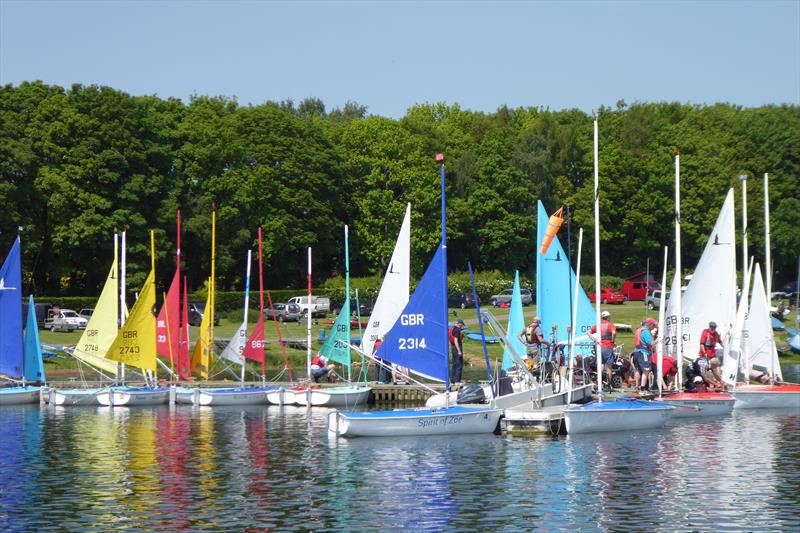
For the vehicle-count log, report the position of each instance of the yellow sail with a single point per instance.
(201, 357)
(135, 344)
(102, 328)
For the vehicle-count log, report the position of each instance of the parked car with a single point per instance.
(653, 300)
(462, 300)
(196, 311)
(64, 320)
(505, 296)
(86, 313)
(320, 305)
(284, 312)
(638, 290)
(608, 296)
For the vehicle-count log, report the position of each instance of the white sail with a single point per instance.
(761, 352)
(233, 351)
(670, 319)
(393, 295)
(711, 293)
(735, 347)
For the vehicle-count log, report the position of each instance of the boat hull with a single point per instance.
(184, 395)
(616, 416)
(133, 397)
(19, 395)
(335, 397)
(285, 396)
(74, 396)
(767, 396)
(247, 396)
(414, 422)
(526, 399)
(701, 404)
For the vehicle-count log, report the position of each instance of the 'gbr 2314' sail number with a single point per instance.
(411, 343)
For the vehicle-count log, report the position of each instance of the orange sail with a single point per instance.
(553, 225)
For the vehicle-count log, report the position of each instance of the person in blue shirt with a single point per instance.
(643, 348)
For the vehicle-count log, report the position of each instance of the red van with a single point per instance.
(638, 290)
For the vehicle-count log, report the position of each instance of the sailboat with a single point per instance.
(19, 361)
(761, 356)
(602, 415)
(95, 341)
(233, 352)
(711, 295)
(419, 341)
(337, 348)
(135, 345)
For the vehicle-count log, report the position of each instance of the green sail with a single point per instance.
(336, 346)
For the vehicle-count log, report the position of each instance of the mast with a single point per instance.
(767, 250)
(178, 288)
(346, 289)
(246, 308)
(679, 296)
(745, 261)
(661, 305)
(440, 157)
(211, 289)
(122, 304)
(574, 317)
(308, 315)
(597, 263)
(261, 303)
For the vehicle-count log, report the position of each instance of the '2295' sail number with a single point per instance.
(411, 343)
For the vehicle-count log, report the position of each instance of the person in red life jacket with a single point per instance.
(608, 335)
(643, 344)
(457, 351)
(320, 368)
(533, 339)
(382, 372)
(709, 340)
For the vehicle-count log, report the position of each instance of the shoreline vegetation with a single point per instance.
(83, 162)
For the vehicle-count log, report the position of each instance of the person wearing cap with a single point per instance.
(709, 340)
(533, 338)
(457, 351)
(608, 335)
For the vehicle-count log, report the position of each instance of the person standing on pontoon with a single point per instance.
(533, 339)
(608, 336)
(709, 340)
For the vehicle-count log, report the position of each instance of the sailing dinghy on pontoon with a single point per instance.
(419, 341)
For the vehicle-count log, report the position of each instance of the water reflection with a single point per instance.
(195, 469)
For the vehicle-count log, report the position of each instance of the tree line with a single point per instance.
(81, 163)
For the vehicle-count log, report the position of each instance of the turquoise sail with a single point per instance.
(34, 368)
(418, 340)
(11, 361)
(516, 324)
(335, 347)
(555, 285)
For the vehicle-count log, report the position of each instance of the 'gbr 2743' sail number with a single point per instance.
(412, 343)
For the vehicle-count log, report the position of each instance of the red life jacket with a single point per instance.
(450, 334)
(317, 361)
(376, 345)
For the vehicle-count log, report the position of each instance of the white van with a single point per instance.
(320, 305)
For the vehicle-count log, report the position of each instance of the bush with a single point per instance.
(613, 282)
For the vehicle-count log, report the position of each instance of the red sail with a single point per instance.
(184, 369)
(254, 349)
(168, 340)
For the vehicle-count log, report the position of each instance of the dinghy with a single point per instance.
(21, 362)
(767, 396)
(419, 341)
(700, 403)
(602, 415)
(350, 396)
(623, 415)
(135, 345)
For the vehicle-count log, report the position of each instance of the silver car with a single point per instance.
(284, 312)
(505, 296)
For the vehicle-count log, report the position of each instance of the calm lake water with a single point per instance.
(238, 469)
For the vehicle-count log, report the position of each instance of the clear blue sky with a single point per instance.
(391, 55)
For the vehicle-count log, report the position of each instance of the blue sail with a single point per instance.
(11, 362)
(555, 285)
(516, 324)
(34, 368)
(418, 339)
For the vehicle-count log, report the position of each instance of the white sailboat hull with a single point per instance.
(335, 397)
(252, 396)
(74, 396)
(584, 419)
(414, 422)
(184, 395)
(286, 396)
(19, 395)
(133, 397)
(767, 397)
(525, 399)
(701, 404)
